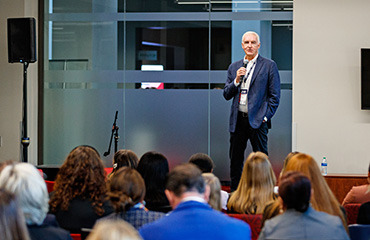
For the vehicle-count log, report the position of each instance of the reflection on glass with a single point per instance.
(220, 45)
(282, 42)
(178, 45)
(205, 5)
(257, 6)
(175, 45)
(82, 46)
(163, 6)
(81, 6)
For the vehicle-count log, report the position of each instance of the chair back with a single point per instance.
(359, 231)
(254, 221)
(50, 185)
(76, 236)
(108, 170)
(352, 212)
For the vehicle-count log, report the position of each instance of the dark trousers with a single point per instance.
(238, 144)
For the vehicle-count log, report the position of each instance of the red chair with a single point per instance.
(50, 185)
(41, 172)
(226, 188)
(108, 170)
(352, 212)
(254, 222)
(76, 236)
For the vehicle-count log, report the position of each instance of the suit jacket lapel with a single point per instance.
(258, 67)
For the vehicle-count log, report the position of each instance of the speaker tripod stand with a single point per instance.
(25, 140)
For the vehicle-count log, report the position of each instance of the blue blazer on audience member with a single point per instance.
(195, 220)
(264, 92)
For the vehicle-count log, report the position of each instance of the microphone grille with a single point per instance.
(245, 61)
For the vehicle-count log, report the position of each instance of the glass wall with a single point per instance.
(162, 65)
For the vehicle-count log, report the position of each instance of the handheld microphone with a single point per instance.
(245, 63)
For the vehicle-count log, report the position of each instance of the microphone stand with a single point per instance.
(116, 137)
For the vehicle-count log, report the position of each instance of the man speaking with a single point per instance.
(254, 85)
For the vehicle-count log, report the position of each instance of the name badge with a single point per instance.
(243, 97)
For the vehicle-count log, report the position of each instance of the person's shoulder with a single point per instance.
(48, 232)
(155, 214)
(266, 60)
(144, 214)
(147, 230)
(361, 188)
(324, 217)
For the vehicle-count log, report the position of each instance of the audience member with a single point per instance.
(203, 162)
(126, 192)
(153, 167)
(359, 194)
(12, 222)
(192, 218)
(206, 165)
(26, 183)
(79, 193)
(363, 216)
(113, 230)
(124, 158)
(273, 208)
(215, 190)
(322, 198)
(256, 186)
(300, 220)
(286, 160)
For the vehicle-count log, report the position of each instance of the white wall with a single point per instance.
(11, 87)
(327, 115)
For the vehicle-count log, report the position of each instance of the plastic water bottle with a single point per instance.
(324, 167)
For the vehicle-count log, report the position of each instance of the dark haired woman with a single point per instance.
(153, 167)
(126, 192)
(300, 220)
(124, 158)
(79, 193)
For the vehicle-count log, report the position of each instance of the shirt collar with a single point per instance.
(193, 198)
(254, 59)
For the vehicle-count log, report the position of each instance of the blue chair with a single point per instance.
(359, 231)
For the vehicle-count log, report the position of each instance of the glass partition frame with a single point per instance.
(188, 116)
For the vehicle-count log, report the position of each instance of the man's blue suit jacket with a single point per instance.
(264, 92)
(195, 220)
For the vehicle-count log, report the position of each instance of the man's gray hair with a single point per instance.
(26, 183)
(251, 32)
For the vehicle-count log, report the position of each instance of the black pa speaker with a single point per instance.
(21, 40)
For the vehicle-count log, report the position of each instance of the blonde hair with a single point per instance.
(323, 198)
(113, 230)
(256, 186)
(215, 194)
(286, 160)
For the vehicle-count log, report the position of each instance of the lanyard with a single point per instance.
(250, 70)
